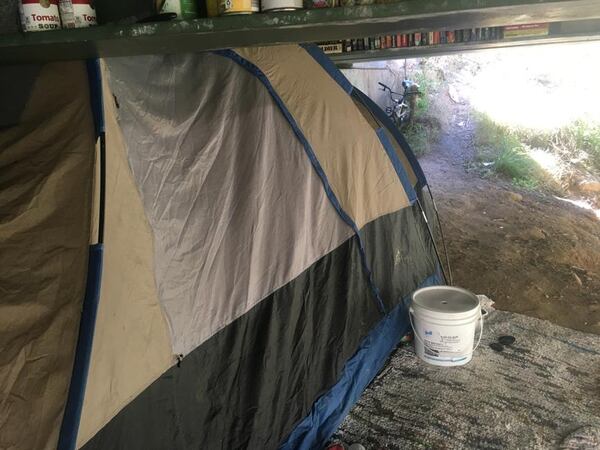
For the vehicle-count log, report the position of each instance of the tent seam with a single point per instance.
(402, 175)
(329, 410)
(387, 123)
(336, 74)
(254, 70)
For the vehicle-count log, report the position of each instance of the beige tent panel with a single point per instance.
(372, 120)
(412, 177)
(358, 169)
(46, 162)
(131, 345)
(197, 150)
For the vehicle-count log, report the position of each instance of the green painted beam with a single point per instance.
(287, 27)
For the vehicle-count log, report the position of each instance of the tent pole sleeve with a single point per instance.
(329, 410)
(387, 123)
(95, 84)
(437, 216)
(102, 181)
(67, 439)
(70, 424)
(430, 232)
(315, 163)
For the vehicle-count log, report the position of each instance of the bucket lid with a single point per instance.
(445, 299)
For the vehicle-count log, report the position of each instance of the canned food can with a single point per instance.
(85, 13)
(39, 15)
(280, 5)
(185, 9)
(227, 7)
(67, 15)
(331, 47)
(212, 8)
(417, 39)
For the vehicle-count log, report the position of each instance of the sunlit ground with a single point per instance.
(581, 204)
(543, 87)
(539, 89)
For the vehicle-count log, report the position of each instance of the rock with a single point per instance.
(507, 340)
(497, 347)
(579, 269)
(535, 233)
(577, 279)
(357, 446)
(515, 197)
(590, 186)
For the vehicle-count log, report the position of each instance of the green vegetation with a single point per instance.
(424, 128)
(426, 86)
(504, 150)
(417, 135)
(578, 140)
(501, 146)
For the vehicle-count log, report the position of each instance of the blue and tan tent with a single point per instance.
(209, 251)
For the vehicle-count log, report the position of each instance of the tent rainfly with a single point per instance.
(209, 251)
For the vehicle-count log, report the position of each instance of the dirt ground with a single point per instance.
(531, 253)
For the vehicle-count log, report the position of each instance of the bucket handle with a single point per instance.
(416, 335)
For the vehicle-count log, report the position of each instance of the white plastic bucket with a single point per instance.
(444, 321)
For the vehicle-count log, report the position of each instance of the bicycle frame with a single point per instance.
(399, 111)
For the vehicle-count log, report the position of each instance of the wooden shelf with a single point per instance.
(577, 31)
(287, 27)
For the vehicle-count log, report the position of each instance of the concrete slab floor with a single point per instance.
(541, 392)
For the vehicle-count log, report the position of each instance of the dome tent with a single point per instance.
(264, 228)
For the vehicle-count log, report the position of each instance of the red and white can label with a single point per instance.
(85, 13)
(39, 15)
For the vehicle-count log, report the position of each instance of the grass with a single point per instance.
(578, 140)
(503, 150)
(424, 129)
(426, 86)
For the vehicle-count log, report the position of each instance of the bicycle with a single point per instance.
(402, 105)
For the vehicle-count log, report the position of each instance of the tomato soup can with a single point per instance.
(77, 13)
(39, 15)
